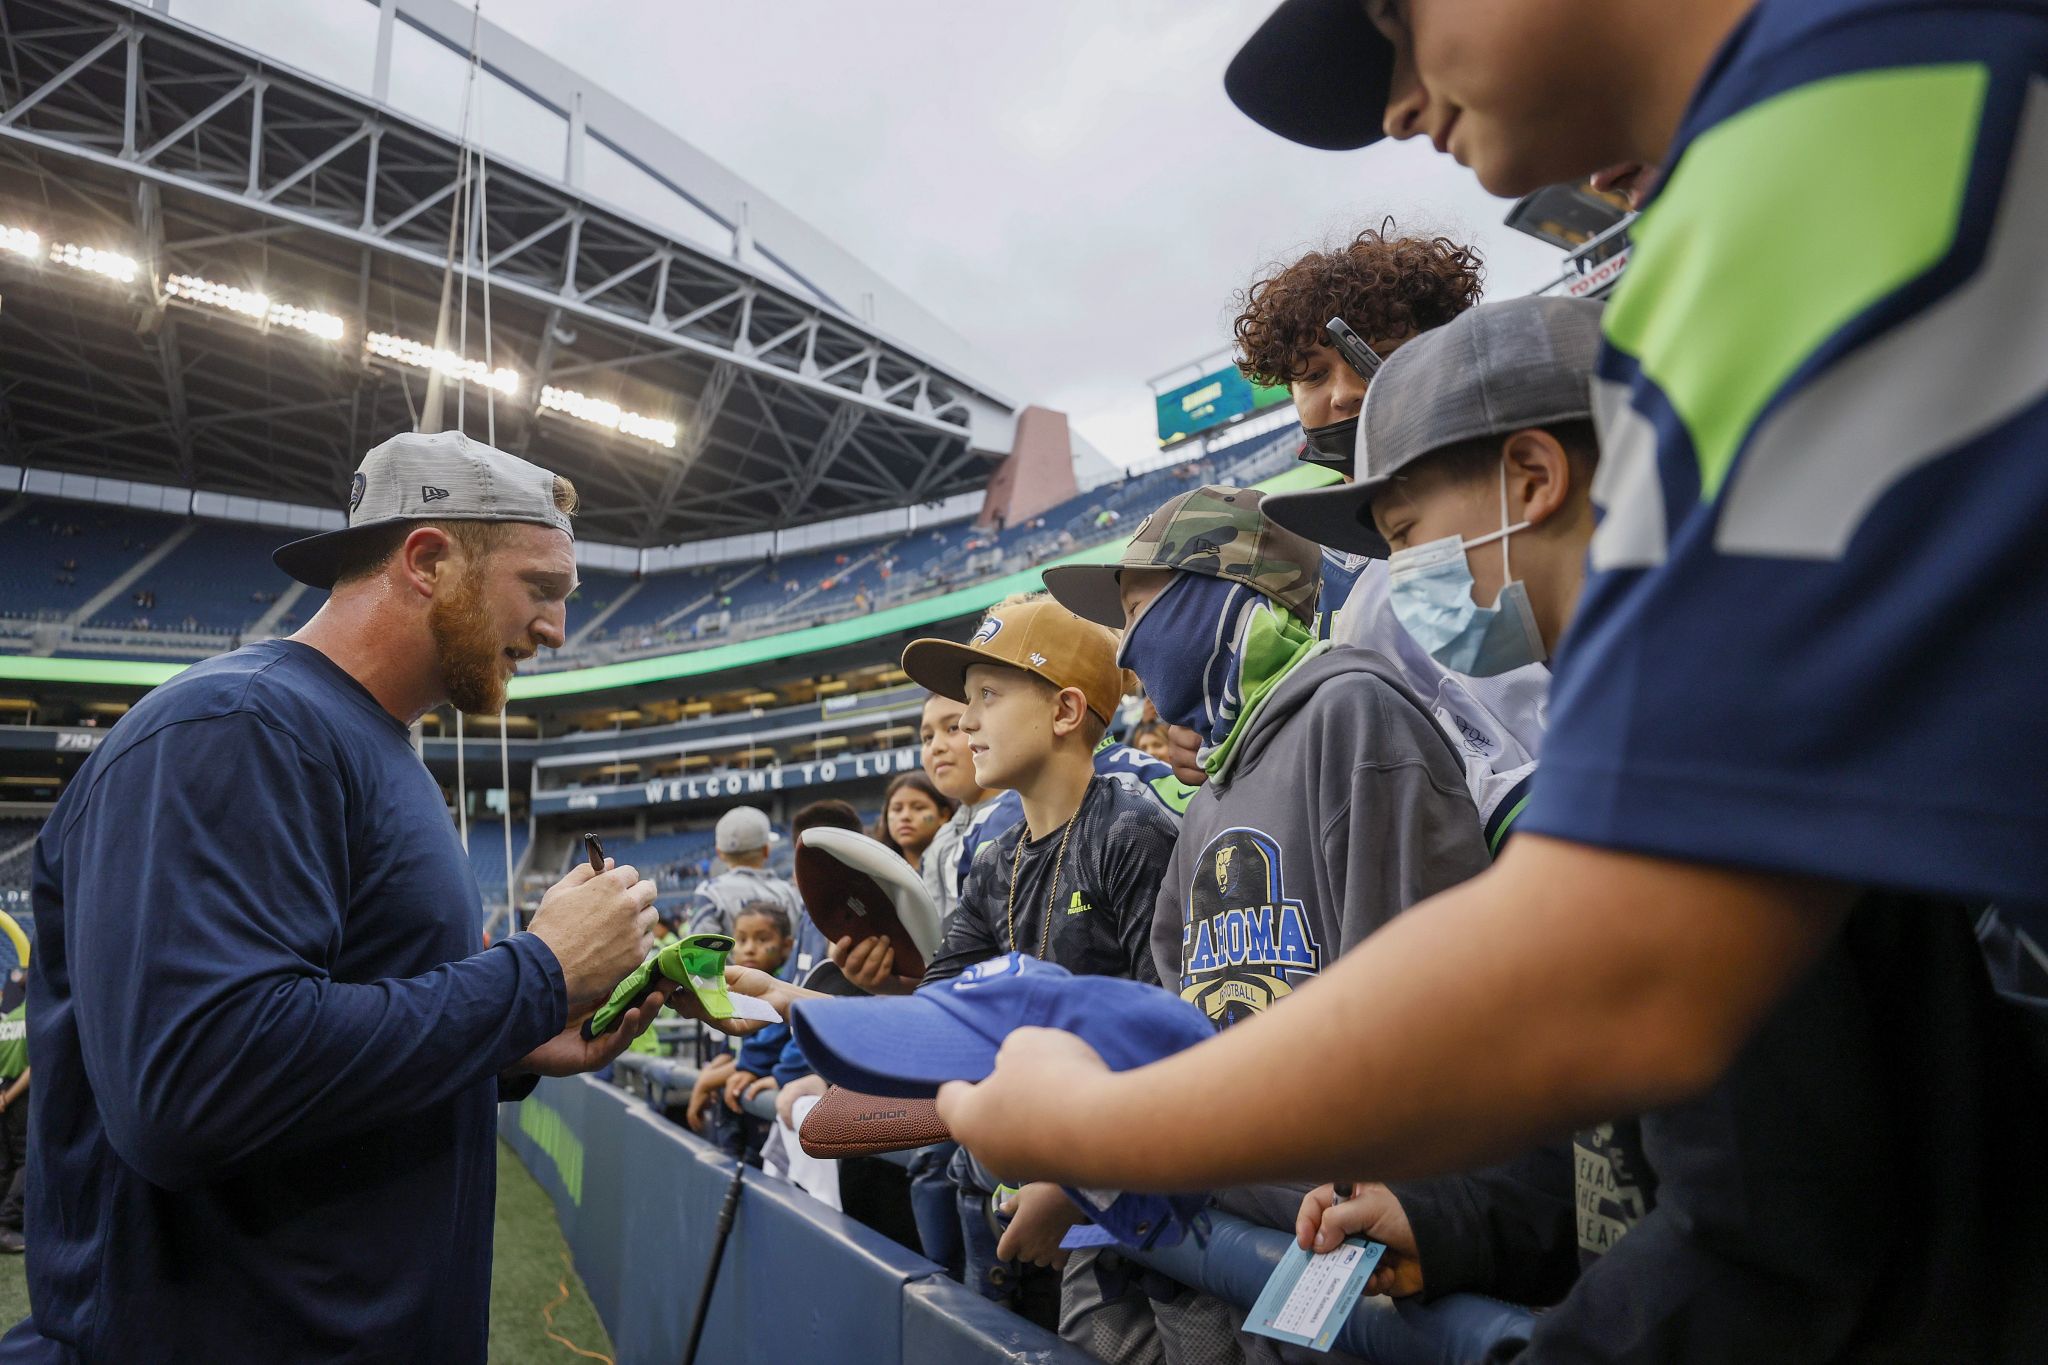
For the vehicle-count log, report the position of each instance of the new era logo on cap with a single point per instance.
(429, 493)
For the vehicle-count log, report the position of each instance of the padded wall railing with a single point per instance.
(1233, 1265)
(638, 1200)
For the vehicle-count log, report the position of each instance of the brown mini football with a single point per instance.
(845, 901)
(848, 1123)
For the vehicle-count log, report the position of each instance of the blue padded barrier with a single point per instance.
(804, 1282)
(638, 1200)
(944, 1321)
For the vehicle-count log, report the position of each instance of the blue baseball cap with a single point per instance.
(908, 1046)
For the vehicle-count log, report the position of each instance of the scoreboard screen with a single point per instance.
(1217, 397)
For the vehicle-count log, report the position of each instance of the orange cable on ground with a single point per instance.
(547, 1315)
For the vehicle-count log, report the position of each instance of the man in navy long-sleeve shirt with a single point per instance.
(268, 1052)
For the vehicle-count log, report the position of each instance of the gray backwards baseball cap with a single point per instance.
(417, 476)
(1494, 370)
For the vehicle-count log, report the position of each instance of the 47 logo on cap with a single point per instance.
(988, 630)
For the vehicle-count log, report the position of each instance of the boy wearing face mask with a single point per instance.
(1333, 802)
(1478, 497)
(1388, 290)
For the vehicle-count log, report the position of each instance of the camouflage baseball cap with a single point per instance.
(1212, 530)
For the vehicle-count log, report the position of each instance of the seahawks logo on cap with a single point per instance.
(355, 491)
(988, 630)
(1009, 964)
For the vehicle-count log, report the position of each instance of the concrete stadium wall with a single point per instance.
(638, 1200)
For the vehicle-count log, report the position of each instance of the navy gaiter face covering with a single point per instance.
(1185, 647)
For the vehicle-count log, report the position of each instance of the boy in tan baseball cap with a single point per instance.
(1072, 883)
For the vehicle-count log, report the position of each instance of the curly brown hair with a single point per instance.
(1383, 285)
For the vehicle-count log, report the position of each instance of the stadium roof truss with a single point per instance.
(266, 191)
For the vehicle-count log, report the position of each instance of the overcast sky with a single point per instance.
(1063, 182)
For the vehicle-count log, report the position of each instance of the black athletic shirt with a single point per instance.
(1101, 908)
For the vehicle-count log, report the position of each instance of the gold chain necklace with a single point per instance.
(1017, 863)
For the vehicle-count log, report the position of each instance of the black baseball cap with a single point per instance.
(1317, 72)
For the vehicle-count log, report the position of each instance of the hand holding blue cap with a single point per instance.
(909, 1046)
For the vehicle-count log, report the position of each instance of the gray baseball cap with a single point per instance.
(417, 476)
(1496, 369)
(743, 828)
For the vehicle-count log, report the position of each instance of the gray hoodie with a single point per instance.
(1342, 804)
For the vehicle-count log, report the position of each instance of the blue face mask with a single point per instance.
(1430, 590)
(1185, 647)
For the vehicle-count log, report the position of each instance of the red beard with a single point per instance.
(466, 649)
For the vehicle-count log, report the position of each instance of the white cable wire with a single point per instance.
(465, 203)
(460, 214)
(465, 207)
(483, 214)
(461, 783)
(505, 776)
(483, 218)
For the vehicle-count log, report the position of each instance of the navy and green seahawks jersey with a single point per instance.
(1340, 575)
(1811, 640)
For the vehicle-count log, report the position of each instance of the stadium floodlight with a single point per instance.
(94, 261)
(252, 304)
(192, 289)
(420, 356)
(326, 326)
(20, 241)
(598, 412)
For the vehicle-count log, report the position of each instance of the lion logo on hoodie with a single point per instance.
(1244, 942)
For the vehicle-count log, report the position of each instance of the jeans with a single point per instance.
(1031, 1291)
(934, 1206)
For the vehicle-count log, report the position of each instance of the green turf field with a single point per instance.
(13, 1291)
(529, 1275)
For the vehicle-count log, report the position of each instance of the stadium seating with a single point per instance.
(487, 854)
(47, 535)
(14, 871)
(219, 581)
(843, 580)
(671, 859)
(596, 591)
